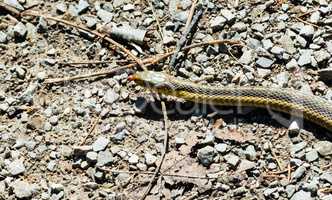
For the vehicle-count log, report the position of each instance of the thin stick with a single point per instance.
(282, 171)
(147, 62)
(156, 18)
(148, 189)
(289, 173)
(186, 37)
(301, 20)
(151, 173)
(85, 62)
(102, 36)
(93, 127)
(191, 13)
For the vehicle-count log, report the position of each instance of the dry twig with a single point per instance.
(93, 127)
(102, 36)
(148, 189)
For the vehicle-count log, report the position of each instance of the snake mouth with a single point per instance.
(133, 77)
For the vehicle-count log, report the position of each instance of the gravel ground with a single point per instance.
(80, 139)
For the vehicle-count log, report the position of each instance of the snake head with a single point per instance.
(150, 79)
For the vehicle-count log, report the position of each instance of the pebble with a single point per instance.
(82, 6)
(239, 27)
(250, 152)
(326, 176)
(150, 159)
(61, 8)
(217, 23)
(51, 165)
(20, 31)
(54, 120)
(42, 25)
(56, 187)
(133, 159)
(247, 57)
(206, 155)
(232, 159)
(298, 173)
(111, 96)
(221, 147)
(262, 73)
(227, 14)
(311, 156)
(267, 44)
(290, 190)
(314, 17)
(245, 165)
(91, 156)
(307, 31)
(277, 50)
(104, 15)
(100, 144)
(104, 158)
(22, 189)
(324, 148)
(302, 195)
(264, 62)
(292, 64)
(321, 55)
(3, 37)
(16, 167)
(305, 57)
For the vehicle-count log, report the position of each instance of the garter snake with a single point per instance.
(310, 107)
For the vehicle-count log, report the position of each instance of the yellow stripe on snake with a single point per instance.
(311, 107)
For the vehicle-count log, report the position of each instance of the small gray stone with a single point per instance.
(104, 15)
(302, 195)
(267, 44)
(179, 140)
(4, 107)
(227, 14)
(250, 152)
(314, 17)
(91, 22)
(22, 189)
(277, 50)
(303, 42)
(258, 27)
(20, 31)
(290, 190)
(305, 57)
(245, 165)
(272, 166)
(3, 37)
(269, 192)
(321, 56)
(298, 147)
(326, 176)
(206, 155)
(262, 73)
(14, 3)
(232, 159)
(307, 31)
(324, 148)
(111, 96)
(247, 57)
(311, 155)
(264, 62)
(100, 144)
(221, 147)
(56, 187)
(239, 27)
(20, 71)
(129, 7)
(133, 159)
(217, 23)
(292, 64)
(54, 120)
(82, 6)
(104, 158)
(329, 47)
(298, 172)
(61, 8)
(282, 79)
(91, 156)
(150, 159)
(51, 165)
(16, 167)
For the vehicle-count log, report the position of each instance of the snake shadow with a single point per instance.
(176, 110)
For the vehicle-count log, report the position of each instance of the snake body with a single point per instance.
(310, 107)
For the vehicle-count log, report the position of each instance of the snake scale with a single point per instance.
(310, 107)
